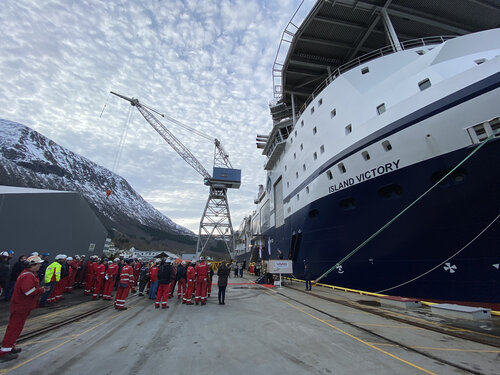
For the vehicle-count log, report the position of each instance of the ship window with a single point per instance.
(421, 52)
(425, 84)
(479, 61)
(298, 197)
(315, 130)
(296, 174)
(285, 168)
(312, 110)
(294, 155)
(313, 213)
(456, 177)
(348, 203)
(495, 126)
(381, 108)
(307, 189)
(315, 156)
(480, 132)
(302, 123)
(333, 113)
(301, 147)
(390, 191)
(387, 145)
(365, 155)
(295, 132)
(291, 139)
(365, 70)
(288, 209)
(348, 129)
(320, 102)
(329, 175)
(304, 167)
(322, 149)
(342, 168)
(287, 184)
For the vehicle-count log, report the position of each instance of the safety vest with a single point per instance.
(53, 272)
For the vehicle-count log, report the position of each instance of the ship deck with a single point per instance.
(259, 330)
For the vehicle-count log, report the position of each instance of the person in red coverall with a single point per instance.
(24, 299)
(73, 268)
(137, 272)
(90, 275)
(124, 285)
(190, 278)
(153, 278)
(99, 284)
(202, 271)
(165, 278)
(110, 278)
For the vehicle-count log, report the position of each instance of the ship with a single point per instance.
(383, 160)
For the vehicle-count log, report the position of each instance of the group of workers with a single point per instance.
(37, 282)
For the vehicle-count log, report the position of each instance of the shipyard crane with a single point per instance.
(215, 222)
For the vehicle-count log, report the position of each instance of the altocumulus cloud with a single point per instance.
(205, 63)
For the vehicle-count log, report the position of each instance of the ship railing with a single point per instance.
(384, 51)
(285, 43)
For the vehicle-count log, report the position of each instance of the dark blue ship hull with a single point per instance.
(419, 254)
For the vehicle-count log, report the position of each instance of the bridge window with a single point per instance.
(365, 155)
(329, 175)
(342, 168)
(302, 124)
(315, 156)
(479, 61)
(387, 145)
(307, 189)
(301, 147)
(312, 110)
(315, 130)
(322, 149)
(320, 102)
(365, 70)
(296, 174)
(348, 129)
(304, 167)
(333, 113)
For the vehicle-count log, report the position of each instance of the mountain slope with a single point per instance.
(28, 159)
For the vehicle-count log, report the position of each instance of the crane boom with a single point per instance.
(177, 145)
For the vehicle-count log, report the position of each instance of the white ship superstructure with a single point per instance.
(382, 167)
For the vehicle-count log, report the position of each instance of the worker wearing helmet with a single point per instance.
(201, 282)
(58, 290)
(190, 280)
(181, 281)
(51, 278)
(99, 284)
(110, 279)
(137, 272)
(24, 299)
(165, 277)
(153, 279)
(90, 272)
(210, 277)
(125, 283)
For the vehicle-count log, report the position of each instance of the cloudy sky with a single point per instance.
(206, 63)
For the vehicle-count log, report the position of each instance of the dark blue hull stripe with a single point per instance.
(467, 93)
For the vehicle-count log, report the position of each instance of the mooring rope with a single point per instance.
(444, 261)
(339, 263)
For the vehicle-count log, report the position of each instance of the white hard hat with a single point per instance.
(35, 253)
(69, 258)
(60, 256)
(34, 259)
(4, 254)
(202, 258)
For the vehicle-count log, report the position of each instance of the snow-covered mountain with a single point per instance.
(29, 159)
